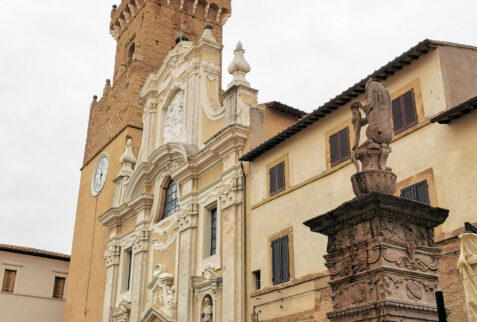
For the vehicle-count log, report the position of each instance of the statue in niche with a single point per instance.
(373, 175)
(173, 125)
(207, 311)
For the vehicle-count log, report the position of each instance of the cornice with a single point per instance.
(230, 139)
(114, 217)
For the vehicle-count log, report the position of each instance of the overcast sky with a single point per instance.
(56, 54)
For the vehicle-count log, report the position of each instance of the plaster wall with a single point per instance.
(85, 290)
(32, 299)
(314, 188)
(459, 73)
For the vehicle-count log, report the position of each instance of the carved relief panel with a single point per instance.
(174, 118)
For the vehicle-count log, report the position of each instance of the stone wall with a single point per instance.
(153, 30)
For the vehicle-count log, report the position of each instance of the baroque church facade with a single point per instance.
(159, 227)
(192, 199)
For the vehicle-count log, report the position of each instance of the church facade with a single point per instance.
(159, 231)
(192, 199)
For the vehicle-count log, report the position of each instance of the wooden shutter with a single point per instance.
(408, 193)
(280, 176)
(9, 280)
(409, 109)
(398, 119)
(334, 149)
(277, 178)
(59, 287)
(285, 263)
(273, 180)
(339, 147)
(344, 144)
(417, 192)
(276, 261)
(422, 192)
(404, 112)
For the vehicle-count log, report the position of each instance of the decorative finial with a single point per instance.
(239, 67)
(128, 160)
(207, 34)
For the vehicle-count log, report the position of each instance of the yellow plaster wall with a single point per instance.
(85, 291)
(209, 127)
(209, 177)
(314, 188)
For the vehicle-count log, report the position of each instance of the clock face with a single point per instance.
(100, 175)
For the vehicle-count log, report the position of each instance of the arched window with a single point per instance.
(171, 202)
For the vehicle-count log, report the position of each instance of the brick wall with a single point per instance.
(153, 30)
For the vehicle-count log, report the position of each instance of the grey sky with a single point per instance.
(55, 55)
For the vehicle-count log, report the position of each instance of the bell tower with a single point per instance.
(145, 32)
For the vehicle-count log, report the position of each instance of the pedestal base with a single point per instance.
(368, 181)
(382, 259)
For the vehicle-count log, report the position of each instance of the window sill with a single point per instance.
(291, 283)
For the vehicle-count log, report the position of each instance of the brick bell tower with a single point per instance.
(145, 31)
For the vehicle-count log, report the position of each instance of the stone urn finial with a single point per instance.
(239, 67)
(373, 175)
(128, 160)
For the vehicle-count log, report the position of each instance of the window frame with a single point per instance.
(286, 182)
(59, 295)
(341, 158)
(166, 213)
(6, 278)
(406, 126)
(291, 262)
(211, 231)
(127, 266)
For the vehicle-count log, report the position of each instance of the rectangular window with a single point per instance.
(59, 287)
(417, 192)
(404, 112)
(339, 147)
(213, 231)
(280, 261)
(127, 270)
(277, 178)
(258, 279)
(9, 281)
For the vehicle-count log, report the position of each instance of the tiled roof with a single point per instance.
(456, 112)
(277, 106)
(34, 252)
(351, 93)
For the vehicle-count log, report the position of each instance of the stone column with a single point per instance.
(111, 256)
(382, 259)
(138, 284)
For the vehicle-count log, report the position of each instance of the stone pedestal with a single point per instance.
(382, 259)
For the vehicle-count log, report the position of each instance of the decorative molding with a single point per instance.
(114, 217)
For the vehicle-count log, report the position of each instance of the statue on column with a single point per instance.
(373, 175)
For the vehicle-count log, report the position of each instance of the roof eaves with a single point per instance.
(274, 105)
(457, 112)
(34, 252)
(346, 96)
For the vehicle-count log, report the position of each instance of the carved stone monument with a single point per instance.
(374, 176)
(382, 259)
